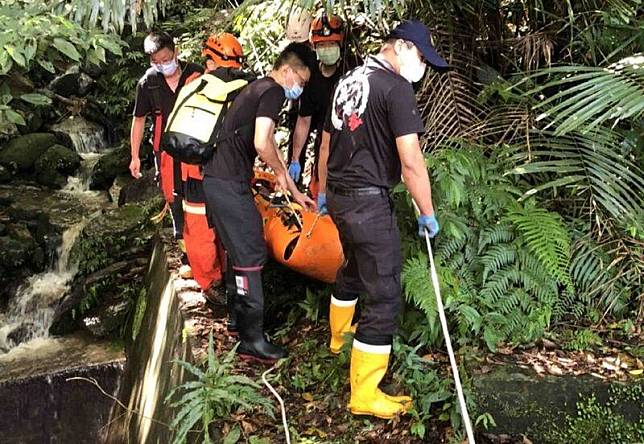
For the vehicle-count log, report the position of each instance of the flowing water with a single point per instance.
(87, 137)
(80, 182)
(31, 310)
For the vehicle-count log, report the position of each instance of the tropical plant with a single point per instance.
(38, 44)
(502, 262)
(214, 393)
(432, 393)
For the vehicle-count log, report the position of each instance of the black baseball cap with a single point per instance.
(417, 33)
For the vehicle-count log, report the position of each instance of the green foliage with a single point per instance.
(321, 369)
(215, 393)
(581, 340)
(260, 33)
(597, 423)
(589, 97)
(37, 43)
(116, 88)
(111, 15)
(499, 260)
(433, 394)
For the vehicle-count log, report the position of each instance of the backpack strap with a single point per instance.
(154, 86)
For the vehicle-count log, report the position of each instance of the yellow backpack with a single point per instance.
(195, 123)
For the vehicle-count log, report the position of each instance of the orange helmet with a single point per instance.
(326, 28)
(224, 49)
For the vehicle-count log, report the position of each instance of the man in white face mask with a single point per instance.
(370, 139)
(155, 96)
(326, 38)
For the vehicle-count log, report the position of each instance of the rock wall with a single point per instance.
(154, 342)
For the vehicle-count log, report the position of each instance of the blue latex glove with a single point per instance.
(294, 170)
(322, 209)
(428, 223)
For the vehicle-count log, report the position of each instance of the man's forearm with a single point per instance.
(417, 182)
(323, 161)
(269, 153)
(300, 134)
(136, 136)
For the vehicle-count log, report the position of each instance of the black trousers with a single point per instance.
(371, 245)
(231, 208)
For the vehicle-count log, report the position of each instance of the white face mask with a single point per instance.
(167, 69)
(411, 68)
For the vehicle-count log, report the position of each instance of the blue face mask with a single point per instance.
(294, 92)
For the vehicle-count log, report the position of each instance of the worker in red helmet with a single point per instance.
(224, 56)
(326, 36)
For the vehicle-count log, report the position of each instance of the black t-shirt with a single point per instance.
(144, 104)
(234, 157)
(316, 98)
(372, 106)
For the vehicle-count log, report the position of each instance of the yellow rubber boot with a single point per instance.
(340, 317)
(368, 367)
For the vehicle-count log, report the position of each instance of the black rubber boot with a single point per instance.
(231, 296)
(250, 320)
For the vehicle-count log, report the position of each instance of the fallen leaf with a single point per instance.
(637, 372)
(307, 396)
(608, 366)
(315, 431)
(548, 344)
(554, 370)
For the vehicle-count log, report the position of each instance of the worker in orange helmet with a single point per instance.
(224, 56)
(326, 36)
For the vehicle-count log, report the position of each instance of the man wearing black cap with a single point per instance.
(370, 139)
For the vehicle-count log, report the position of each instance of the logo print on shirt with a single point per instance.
(350, 101)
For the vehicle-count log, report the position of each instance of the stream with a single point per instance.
(29, 314)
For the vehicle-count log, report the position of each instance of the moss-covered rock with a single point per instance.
(53, 167)
(108, 167)
(21, 153)
(5, 175)
(112, 253)
(523, 402)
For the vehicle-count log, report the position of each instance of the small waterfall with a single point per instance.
(81, 181)
(87, 137)
(30, 312)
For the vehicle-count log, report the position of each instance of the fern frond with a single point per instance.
(495, 235)
(497, 257)
(546, 236)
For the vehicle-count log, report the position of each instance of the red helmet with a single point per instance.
(224, 49)
(326, 28)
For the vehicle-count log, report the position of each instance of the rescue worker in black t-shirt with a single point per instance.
(371, 137)
(248, 131)
(155, 95)
(326, 37)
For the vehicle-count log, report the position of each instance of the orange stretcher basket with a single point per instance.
(300, 239)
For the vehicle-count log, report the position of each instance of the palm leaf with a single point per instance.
(588, 166)
(589, 97)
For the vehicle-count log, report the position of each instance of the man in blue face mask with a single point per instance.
(248, 131)
(156, 93)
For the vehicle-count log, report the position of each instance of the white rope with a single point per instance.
(448, 342)
(280, 400)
